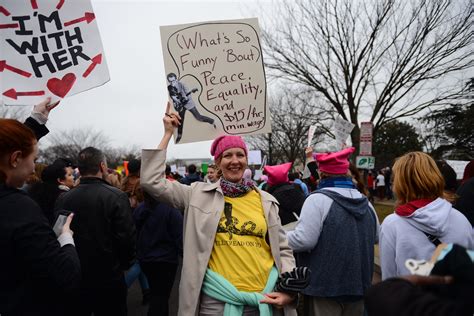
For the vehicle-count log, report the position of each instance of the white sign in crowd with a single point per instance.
(216, 78)
(49, 48)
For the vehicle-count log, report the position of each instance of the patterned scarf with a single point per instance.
(233, 190)
(337, 182)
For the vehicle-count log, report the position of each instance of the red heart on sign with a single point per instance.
(61, 87)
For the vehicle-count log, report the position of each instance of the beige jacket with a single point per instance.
(203, 204)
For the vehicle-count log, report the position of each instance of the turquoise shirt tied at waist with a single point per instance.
(217, 287)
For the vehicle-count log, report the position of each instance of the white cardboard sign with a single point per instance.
(458, 166)
(258, 175)
(255, 157)
(216, 79)
(342, 129)
(311, 131)
(49, 48)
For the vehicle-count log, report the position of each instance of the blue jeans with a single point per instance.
(135, 272)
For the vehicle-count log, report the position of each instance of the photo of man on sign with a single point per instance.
(182, 101)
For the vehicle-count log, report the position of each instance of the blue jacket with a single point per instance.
(190, 178)
(160, 233)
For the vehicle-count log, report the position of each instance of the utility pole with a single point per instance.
(270, 161)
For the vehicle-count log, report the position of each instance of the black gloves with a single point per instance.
(294, 281)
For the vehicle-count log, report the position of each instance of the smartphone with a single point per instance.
(60, 221)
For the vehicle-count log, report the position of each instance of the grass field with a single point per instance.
(383, 210)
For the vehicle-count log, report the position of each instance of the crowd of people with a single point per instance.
(281, 245)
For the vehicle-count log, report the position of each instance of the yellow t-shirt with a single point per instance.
(241, 253)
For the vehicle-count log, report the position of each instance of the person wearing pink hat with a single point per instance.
(335, 238)
(233, 238)
(290, 196)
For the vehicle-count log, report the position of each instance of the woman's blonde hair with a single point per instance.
(416, 176)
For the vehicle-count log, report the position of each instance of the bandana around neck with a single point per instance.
(338, 182)
(231, 189)
(412, 206)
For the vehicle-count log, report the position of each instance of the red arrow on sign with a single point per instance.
(4, 65)
(4, 11)
(95, 61)
(88, 17)
(9, 26)
(34, 5)
(14, 95)
(60, 4)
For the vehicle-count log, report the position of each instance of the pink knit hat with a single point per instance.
(278, 174)
(222, 143)
(335, 163)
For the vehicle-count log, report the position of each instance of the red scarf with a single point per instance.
(412, 206)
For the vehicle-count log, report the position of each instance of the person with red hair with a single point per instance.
(37, 268)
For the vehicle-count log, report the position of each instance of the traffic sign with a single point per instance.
(365, 162)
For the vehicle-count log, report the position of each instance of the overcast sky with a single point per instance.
(129, 108)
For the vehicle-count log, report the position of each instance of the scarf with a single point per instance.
(412, 206)
(217, 287)
(231, 189)
(337, 182)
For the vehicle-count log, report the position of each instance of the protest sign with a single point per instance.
(216, 79)
(306, 172)
(255, 157)
(311, 131)
(258, 174)
(48, 48)
(458, 166)
(342, 130)
(181, 171)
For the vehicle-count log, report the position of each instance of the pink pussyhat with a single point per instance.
(335, 163)
(222, 143)
(278, 174)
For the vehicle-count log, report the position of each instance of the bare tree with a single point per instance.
(19, 113)
(68, 144)
(293, 111)
(116, 156)
(382, 59)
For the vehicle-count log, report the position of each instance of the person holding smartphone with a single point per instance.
(38, 269)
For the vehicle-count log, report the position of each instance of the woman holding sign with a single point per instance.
(234, 246)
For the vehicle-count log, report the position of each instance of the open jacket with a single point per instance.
(203, 204)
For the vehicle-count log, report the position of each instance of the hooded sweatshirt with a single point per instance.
(336, 234)
(403, 237)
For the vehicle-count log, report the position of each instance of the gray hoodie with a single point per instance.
(402, 238)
